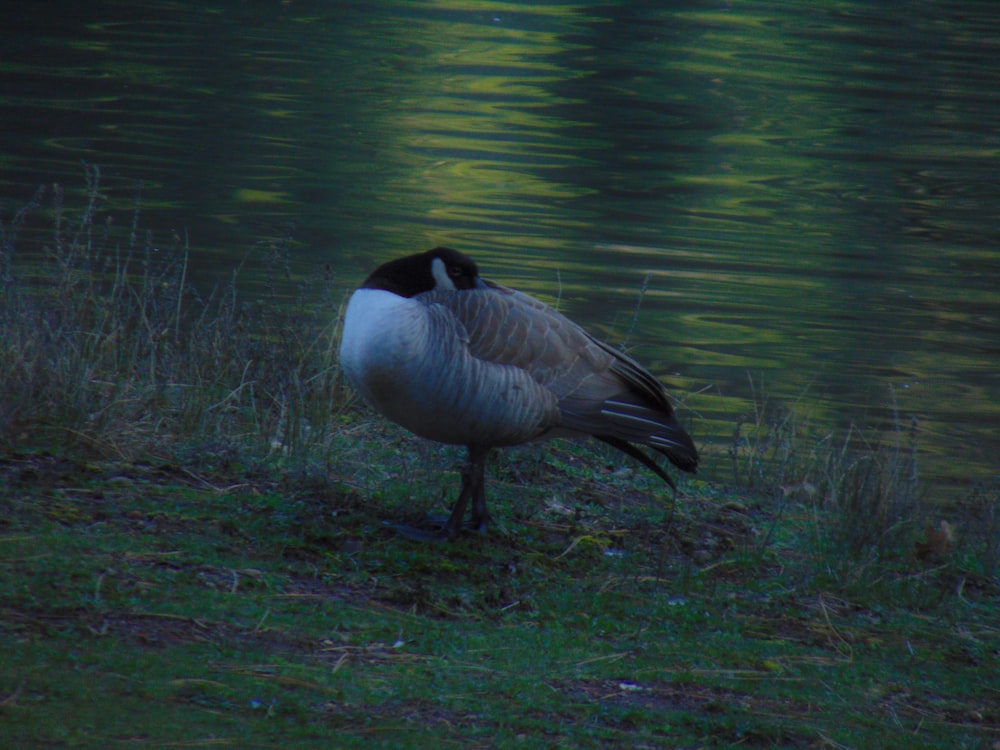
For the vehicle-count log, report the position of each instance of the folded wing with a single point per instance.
(600, 391)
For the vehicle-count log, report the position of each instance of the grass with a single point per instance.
(109, 347)
(193, 550)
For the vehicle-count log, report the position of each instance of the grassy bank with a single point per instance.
(193, 549)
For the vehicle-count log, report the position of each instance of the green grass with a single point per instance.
(193, 550)
(147, 605)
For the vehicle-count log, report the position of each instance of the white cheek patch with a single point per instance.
(442, 281)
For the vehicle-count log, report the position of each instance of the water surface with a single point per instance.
(807, 192)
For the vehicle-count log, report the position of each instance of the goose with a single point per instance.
(458, 359)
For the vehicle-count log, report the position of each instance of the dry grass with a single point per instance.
(862, 490)
(108, 345)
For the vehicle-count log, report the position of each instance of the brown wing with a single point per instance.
(600, 391)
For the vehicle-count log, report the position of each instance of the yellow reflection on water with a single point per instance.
(250, 195)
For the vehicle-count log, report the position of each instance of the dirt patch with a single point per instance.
(672, 702)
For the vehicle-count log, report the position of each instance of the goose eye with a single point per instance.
(455, 271)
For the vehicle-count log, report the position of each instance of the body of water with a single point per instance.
(806, 195)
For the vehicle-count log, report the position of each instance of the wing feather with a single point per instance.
(600, 390)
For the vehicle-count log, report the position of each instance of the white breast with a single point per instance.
(410, 360)
(381, 331)
(392, 355)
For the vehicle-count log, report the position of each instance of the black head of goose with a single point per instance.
(457, 359)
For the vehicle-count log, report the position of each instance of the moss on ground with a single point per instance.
(153, 606)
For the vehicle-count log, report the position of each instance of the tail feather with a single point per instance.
(640, 456)
(637, 423)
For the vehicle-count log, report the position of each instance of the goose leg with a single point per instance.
(477, 467)
(473, 487)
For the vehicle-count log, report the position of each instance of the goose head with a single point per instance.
(441, 269)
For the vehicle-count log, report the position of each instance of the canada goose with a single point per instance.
(460, 360)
